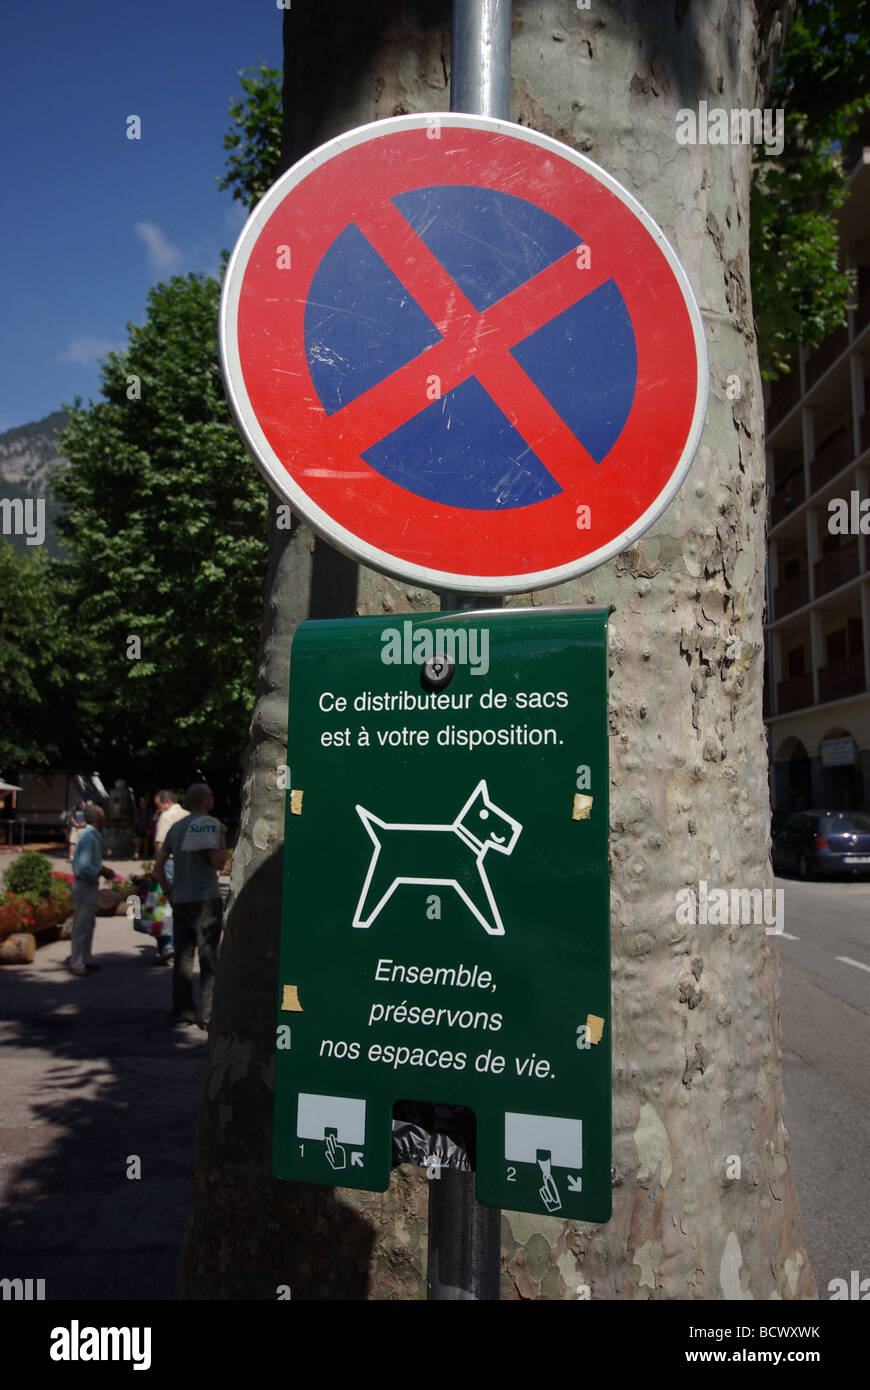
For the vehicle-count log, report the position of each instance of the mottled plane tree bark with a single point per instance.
(704, 1197)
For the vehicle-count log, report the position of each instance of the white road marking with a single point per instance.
(847, 960)
(788, 936)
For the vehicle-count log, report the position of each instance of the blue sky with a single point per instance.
(91, 220)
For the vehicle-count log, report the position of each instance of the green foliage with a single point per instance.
(253, 142)
(34, 661)
(29, 873)
(800, 294)
(826, 64)
(24, 900)
(61, 895)
(166, 534)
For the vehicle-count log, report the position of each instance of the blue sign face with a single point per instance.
(462, 449)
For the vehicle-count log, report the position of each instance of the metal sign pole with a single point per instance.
(480, 58)
(464, 1237)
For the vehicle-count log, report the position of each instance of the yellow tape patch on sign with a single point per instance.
(290, 1000)
(594, 1028)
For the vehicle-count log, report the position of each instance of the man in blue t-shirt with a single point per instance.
(197, 846)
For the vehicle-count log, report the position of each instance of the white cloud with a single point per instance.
(162, 255)
(85, 350)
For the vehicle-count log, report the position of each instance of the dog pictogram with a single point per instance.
(438, 855)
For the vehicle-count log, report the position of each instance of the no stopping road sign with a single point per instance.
(464, 353)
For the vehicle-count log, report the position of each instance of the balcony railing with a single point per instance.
(842, 678)
(795, 693)
(787, 497)
(785, 394)
(794, 593)
(831, 458)
(827, 352)
(837, 568)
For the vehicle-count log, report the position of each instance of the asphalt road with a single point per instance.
(825, 957)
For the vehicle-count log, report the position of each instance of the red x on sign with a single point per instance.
(464, 353)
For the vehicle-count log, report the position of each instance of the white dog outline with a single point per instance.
(376, 891)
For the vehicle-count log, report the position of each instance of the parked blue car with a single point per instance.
(823, 842)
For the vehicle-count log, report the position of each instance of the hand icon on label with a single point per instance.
(336, 1154)
(549, 1193)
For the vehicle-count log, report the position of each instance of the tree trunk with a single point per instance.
(704, 1199)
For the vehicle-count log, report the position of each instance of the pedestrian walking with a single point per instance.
(87, 867)
(155, 817)
(75, 824)
(142, 830)
(169, 814)
(196, 846)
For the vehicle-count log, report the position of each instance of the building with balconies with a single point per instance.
(817, 680)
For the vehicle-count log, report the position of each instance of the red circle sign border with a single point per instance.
(262, 351)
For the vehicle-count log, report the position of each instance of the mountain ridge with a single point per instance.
(29, 453)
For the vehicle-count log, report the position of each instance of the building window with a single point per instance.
(835, 646)
(795, 662)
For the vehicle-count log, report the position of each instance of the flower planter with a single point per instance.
(46, 916)
(10, 919)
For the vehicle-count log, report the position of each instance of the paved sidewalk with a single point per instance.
(93, 1077)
